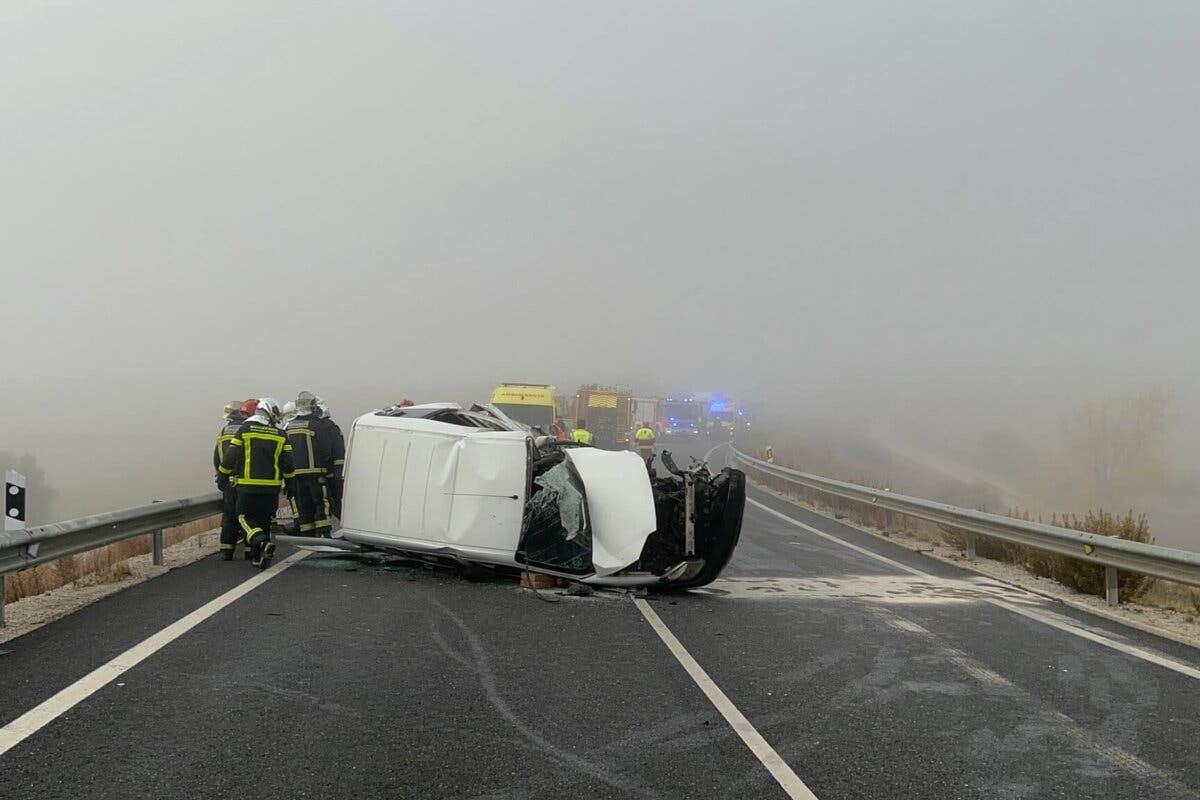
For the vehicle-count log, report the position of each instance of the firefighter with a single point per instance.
(259, 459)
(234, 417)
(337, 457)
(311, 445)
(559, 429)
(644, 437)
(582, 434)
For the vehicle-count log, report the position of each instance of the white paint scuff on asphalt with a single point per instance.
(779, 769)
(46, 712)
(887, 589)
(1054, 621)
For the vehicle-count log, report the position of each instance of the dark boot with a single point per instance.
(261, 548)
(268, 552)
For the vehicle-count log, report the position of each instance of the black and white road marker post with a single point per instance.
(14, 516)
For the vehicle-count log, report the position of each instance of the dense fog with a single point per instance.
(953, 238)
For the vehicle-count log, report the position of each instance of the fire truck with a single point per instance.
(608, 412)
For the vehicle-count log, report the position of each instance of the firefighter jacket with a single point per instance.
(311, 444)
(224, 436)
(337, 447)
(258, 458)
(582, 435)
(644, 436)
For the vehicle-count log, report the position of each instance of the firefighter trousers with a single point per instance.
(335, 496)
(311, 494)
(231, 532)
(255, 510)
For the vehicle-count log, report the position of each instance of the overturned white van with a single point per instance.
(474, 487)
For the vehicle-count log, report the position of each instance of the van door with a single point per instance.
(488, 495)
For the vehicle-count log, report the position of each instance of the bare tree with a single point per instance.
(1115, 445)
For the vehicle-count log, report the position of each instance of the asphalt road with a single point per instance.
(870, 678)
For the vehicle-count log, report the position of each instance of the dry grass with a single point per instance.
(1082, 576)
(1173, 596)
(105, 565)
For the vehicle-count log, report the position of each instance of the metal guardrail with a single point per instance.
(1114, 554)
(27, 548)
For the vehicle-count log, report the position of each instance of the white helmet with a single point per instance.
(306, 403)
(289, 409)
(269, 407)
(322, 409)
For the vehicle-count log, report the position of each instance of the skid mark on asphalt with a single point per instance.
(1044, 722)
(479, 663)
(1061, 622)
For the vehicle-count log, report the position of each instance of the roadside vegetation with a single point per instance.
(1105, 452)
(1081, 576)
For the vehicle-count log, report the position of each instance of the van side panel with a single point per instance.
(489, 493)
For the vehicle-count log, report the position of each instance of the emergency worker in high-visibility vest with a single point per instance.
(260, 460)
(582, 435)
(644, 440)
(230, 532)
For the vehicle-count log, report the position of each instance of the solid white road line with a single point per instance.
(1038, 616)
(779, 769)
(709, 454)
(46, 712)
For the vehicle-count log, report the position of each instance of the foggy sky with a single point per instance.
(923, 217)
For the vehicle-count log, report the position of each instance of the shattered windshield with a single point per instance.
(558, 533)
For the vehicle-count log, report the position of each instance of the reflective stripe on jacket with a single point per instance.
(311, 445)
(259, 457)
(226, 435)
(337, 446)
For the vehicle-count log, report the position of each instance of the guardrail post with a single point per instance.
(158, 553)
(970, 546)
(1111, 590)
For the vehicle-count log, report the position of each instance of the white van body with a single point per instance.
(425, 486)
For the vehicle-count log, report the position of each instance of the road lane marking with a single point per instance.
(1053, 621)
(899, 623)
(709, 454)
(46, 712)
(836, 540)
(779, 769)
